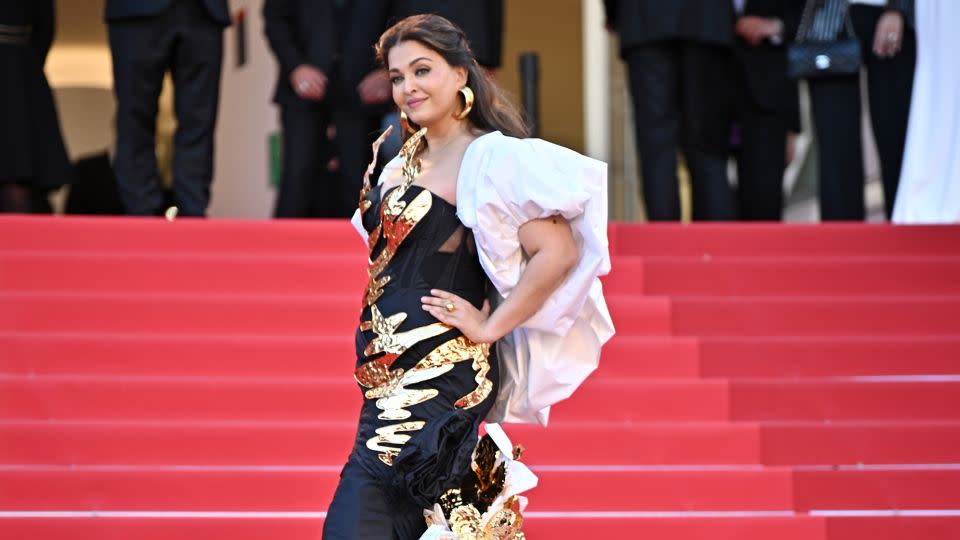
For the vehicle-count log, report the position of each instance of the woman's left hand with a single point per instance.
(449, 308)
(889, 34)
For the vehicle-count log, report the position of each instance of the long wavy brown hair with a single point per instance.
(492, 108)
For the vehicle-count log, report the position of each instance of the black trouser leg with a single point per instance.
(710, 188)
(706, 108)
(890, 88)
(15, 198)
(356, 130)
(654, 85)
(760, 164)
(836, 116)
(196, 66)
(141, 50)
(305, 154)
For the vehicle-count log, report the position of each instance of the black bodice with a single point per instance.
(439, 252)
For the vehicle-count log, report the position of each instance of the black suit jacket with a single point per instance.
(480, 20)
(641, 22)
(339, 44)
(765, 65)
(126, 9)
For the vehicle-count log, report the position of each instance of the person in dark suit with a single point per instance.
(678, 55)
(767, 103)
(328, 76)
(33, 159)
(482, 22)
(888, 45)
(147, 39)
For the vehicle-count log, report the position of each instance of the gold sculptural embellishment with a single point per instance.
(397, 220)
(376, 372)
(465, 506)
(367, 186)
(395, 231)
(393, 396)
(392, 435)
(390, 387)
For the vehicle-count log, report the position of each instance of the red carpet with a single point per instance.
(192, 380)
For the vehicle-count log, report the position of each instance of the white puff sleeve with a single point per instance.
(503, 183)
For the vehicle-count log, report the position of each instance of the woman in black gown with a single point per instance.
(33, 160)
(425, 360)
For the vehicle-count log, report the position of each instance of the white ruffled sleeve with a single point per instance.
(503, 183)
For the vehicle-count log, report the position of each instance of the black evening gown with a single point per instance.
(426, 387)
(31, 146)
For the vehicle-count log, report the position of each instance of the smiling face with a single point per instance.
(424, 85)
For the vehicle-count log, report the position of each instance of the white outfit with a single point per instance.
(503, 183)
(929, 189)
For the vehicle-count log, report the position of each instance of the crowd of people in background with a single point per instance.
(711, 79)
(708, 81)
(333, 96)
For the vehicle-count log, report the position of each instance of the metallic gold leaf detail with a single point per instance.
(377, 372)
(518, 451)
(373, 239)
(391, 435)
(450, 500)
(393, 406)
(367, 185)
(506, 522)
(486, 483)
(465, 522)
(397, 218)
(395, 231)
(390, 387)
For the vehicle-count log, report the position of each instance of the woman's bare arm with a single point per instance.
(551, 254)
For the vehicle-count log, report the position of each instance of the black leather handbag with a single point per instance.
(811, 59)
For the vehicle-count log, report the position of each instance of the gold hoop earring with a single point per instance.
(405, 123)
(467, 94)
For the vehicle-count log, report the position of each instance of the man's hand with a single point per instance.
(309, 82)
(754, 29)
(374, 89)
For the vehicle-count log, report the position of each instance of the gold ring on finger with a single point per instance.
(450, 307)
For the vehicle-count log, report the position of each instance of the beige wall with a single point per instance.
(79, 71)
(241, 186)
(550, 28)
(80, 22)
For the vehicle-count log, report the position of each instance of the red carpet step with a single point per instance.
(747, 528)
(785, 276)
(766, 381)
(563, 526)
(641, 443)
(753, 240)
(823, 356)
(282, 399)
(206, 273)
(743, 489)
(198, 236)
(647, 356)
